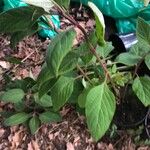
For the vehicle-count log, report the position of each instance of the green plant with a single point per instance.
(87, 75)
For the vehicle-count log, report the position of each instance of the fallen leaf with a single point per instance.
(33, 145)
(4, 64)
(2, 131)
(70, 146)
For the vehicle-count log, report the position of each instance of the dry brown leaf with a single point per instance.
(15, 139)
(70, 146)
(33, 145)
(2, 131)
(4, 64)
(90, 24)
(144, 148)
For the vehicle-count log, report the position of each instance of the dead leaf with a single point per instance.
(4, 64)
(2, 131)
(33, 145)
(70, 146)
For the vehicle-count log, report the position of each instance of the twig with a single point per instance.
(80, 76)
(84, 74)
(119, 140)
(23, 60)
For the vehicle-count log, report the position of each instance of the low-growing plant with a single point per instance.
(89, 75)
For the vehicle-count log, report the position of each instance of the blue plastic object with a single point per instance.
(125, 12)
(46, 32)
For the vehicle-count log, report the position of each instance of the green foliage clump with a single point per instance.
(87, 76)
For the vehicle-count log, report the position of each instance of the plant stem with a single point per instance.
(80, 76)
(124, 68)
(135, 72)
(84, 74)
(92, 49)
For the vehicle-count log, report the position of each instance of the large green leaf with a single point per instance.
(59, 47)
(69, 63)
(44, 75)
(105, 50)
(141, 87)
(83, 96)
(34, 124)
(100, 108)
(61, 91)
(143, 30)
(17, 119)
(46, 87)
(128, 59)
(18, 36)
(49, 117)
(13, 95)
(77, 89)
(136, 53)
(19, 19)
(44, 101)
(140, 49)
(100, 24)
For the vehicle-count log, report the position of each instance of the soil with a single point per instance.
(72, 132)
(131, 111)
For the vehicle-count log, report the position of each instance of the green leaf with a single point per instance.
(100, 108)
(6, 114)
(46, 87)
(128, 59)
(63, 3)
(100, 24)
(59, 47)
(45, 4)
(143, 30)
(140, 49)
(61, 91)
(84, 50)
(34, 124)
(19, 19)
(13, 95)
(18, 36)
(83, 96)
(147, 61)
(49, 117)
(121, 78)
(17, 119)
(141, 87)
(105, 50)
(44, 75)
(20, 106)
(77, 89)
(69, 63)
(44, 101)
